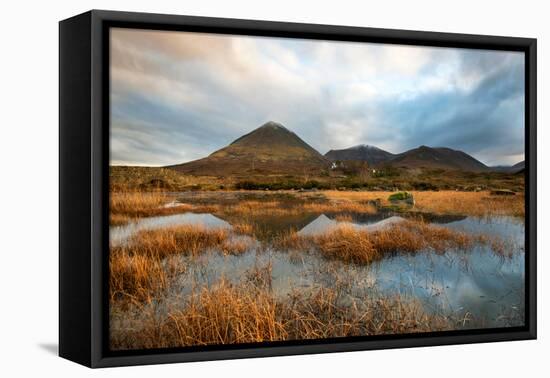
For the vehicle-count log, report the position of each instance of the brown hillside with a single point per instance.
(269, 149)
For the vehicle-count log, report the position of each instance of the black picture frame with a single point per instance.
(84, 195)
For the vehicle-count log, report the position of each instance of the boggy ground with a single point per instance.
(126, 206)
(143, 270)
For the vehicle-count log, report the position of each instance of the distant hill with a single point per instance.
(363, 152)
(269, 149)
(516, 168)
(439, 157)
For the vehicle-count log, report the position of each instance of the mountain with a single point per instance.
(269, 149)
(439, 157)
(363, 152)
(509, 169)
(518, 167)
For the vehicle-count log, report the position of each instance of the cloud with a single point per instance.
(180, 96)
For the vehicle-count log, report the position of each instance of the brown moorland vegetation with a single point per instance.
(350, 244)
(141, 268)
(447, 202)
(125, 178)
(126, 206)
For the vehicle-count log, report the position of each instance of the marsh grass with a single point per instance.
(247, 313)
(346, 206)
(128, 206)
(479, 204)
(349, 244)
(136, 203)
(141, 269)
(243, 228)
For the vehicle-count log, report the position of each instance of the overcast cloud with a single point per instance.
(178, 96)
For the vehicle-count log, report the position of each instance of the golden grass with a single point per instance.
(135, 278)
(127, 206)
(448, 202)
(291, 241)
(182, 240)
(235, 246)
(244, 313)
(252, 208)
(243, 228)
(350, 244)
(140, 269)
(343, 218)
(346, 206)
(135, 203)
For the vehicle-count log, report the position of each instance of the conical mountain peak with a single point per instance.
(273, 125)
(268, 149)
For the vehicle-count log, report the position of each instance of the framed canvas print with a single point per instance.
(234, 188)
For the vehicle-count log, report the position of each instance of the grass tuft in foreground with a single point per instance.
(245, 313)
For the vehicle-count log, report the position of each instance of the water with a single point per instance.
(323, 223)
(479, 286)
(120, 234)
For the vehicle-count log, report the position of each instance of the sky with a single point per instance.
(179, 96)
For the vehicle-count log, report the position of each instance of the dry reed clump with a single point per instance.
(184, 240)
(141, 269)
(118, 219)
(244, 313)
(252, 208)
(350, 244)
(362, 247)
(291, 241)
(339, 206)
(243, 228)
(135, 278)
(126, 206)
(343, 218)
(134, 203)
(235, 246)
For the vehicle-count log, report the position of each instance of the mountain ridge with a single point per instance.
(274, 149)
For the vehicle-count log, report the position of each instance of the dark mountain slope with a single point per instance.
(439, 157)
(371, 154)
(269, 149)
